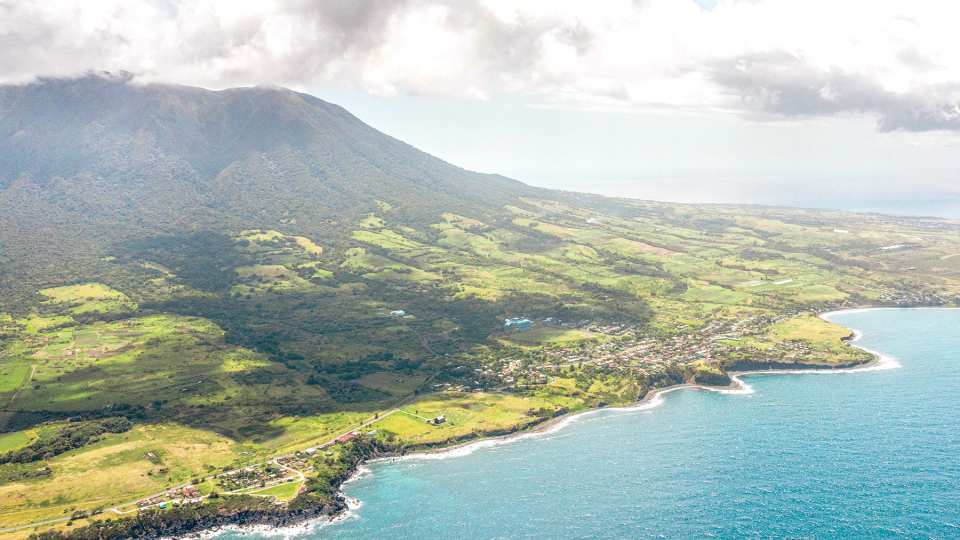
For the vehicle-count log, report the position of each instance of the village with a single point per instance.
(626, 350)
(282, 469)
(621, 350)
(631, 350)
(254, 478)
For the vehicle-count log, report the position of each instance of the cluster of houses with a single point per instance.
(347, 437)
(172, 496)
(629, 349)
(279, 470)
(623, 349)
(298, 460)
(253, 476)
(914, 297)
(524, 323)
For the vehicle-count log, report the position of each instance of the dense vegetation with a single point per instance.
(192, 281)
(65, 439)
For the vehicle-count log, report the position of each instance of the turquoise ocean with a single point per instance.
(868, 454)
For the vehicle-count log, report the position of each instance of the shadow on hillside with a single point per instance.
(320, 342)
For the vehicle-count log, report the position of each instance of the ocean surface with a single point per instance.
(846, 455)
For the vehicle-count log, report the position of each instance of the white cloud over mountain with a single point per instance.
(896, 62)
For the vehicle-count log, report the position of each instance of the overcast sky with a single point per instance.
(822, 103)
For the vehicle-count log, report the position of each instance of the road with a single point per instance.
(3, 417)
(33, 371)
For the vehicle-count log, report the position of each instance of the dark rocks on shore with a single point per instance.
(756, 365)
(718, 378)
(193, 518)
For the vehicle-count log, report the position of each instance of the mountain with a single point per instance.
(89, 162)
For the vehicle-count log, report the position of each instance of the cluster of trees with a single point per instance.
(203, 260)
(16, 472)
(349, 371)
(347, 392)
(66, 439)
(662, 378)
(25, 419)
(370, 363)
(752, 254)
(172, 522)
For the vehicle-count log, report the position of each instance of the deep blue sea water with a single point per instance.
(867, 454)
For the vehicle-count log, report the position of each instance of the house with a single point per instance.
(398, 313)
(517, 323)
(347, 437)
(438, 420)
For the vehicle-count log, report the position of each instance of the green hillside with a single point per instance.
(192, 281)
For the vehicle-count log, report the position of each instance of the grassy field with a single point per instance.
(809, 328)
(116, 470)
(466, 415)
(89, 298)
(550, 336)
(282, 492)
(824, 337)
(13, 375)
(15, 440)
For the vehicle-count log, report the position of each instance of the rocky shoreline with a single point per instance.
(191, 520)
(742, 366)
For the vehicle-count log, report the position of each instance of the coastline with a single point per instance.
(654, 398)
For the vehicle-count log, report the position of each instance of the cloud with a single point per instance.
(784, 85)
(771, 59)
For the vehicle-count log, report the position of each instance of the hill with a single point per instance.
(248, 291)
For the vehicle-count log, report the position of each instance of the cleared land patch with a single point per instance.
(89, 298)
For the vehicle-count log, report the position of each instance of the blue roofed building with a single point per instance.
(517, 324)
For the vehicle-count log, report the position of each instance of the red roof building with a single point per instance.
(346, 437)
